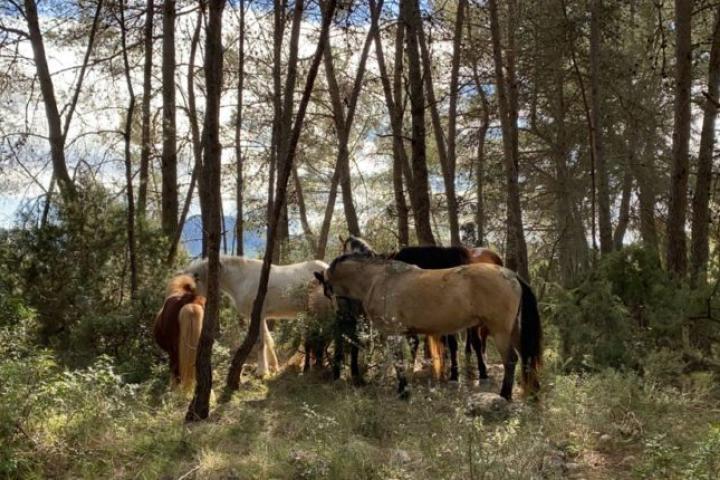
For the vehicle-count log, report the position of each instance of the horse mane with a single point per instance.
(180, 284)
(358, 245)
(353, 256)
(433, 257)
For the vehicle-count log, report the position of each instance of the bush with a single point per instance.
(625, 310)
(73, 273)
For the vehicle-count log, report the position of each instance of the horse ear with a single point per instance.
(319, 276)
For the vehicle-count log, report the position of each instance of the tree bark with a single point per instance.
(145, 148)
(169, 204)
(676, 254)
(307, 230)
(127, 137)
(624, 210)
(410, 16)
(233, 378)
(516, 247)
(327, 218)
(199, 407)
(605, 227)
(701, 199)
(239, 221)
(55, 132)
(480, 158)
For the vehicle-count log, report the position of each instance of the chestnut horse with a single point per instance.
(177, 329)
(432, 257)
(402, 299)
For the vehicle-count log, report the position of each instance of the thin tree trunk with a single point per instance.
(701, 199)
(445, 156)
(127, 136)
(145, 148)
(516, 247)
(676, 254)
(239, 221)
(410, 16)
(195, 132)
(480, 159)
(301, 208)
(644, 173)
(605, 227)
(327, 218)
(55, 133)
(233, 378)
(199, 407)
(400, 161)
(169, 204)
(624, 210)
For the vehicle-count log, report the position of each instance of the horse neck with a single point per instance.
(360, 283)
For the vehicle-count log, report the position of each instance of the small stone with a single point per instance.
(400, 456)
(572, 466)
(486, 403)
(605, 438)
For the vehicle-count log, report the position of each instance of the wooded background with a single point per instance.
(577, 138)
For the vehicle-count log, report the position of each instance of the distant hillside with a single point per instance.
(254, 240)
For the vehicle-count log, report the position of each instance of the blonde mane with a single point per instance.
(180, 284)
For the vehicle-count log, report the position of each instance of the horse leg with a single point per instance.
(414, 342)
(452, 341)
(262, 366)
(507, 353)
(397, 344)
(308, 351)
(479, 346)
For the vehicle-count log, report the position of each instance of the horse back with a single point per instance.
(432, 257)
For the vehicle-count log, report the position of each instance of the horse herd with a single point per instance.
(432, 291)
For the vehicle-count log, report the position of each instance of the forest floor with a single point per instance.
(605, 425)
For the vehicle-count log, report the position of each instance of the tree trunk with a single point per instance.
(516, 247)
(410, 16)
(676, 254)
(327, 218)
(624, 210)
(644, 173)
(701, 198)
(169, 204)
(239, 221)
(480, 159)
(127, 137)
(145, 148)
(233, 378)
(445, 156)
(55, 132)
(307, 231)
(199, 407)
(400, 160)
(195, 129)
(606, 241)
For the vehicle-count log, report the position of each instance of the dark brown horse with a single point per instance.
(177, 329)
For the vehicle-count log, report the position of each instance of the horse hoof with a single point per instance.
(404, 395)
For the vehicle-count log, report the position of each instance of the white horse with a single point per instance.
(291, 290)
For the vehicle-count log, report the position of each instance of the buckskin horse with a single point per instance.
(432, 257)
(402, 299)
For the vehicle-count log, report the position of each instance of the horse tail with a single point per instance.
(191, 320)
(530, 339)
(437, 355)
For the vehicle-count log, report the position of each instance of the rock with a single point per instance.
(605, 438)
(400, 456)
(572, 467)
(487, 404)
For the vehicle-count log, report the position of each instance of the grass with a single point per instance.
(602, 425)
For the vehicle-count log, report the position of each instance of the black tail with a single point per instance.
(530, 339)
